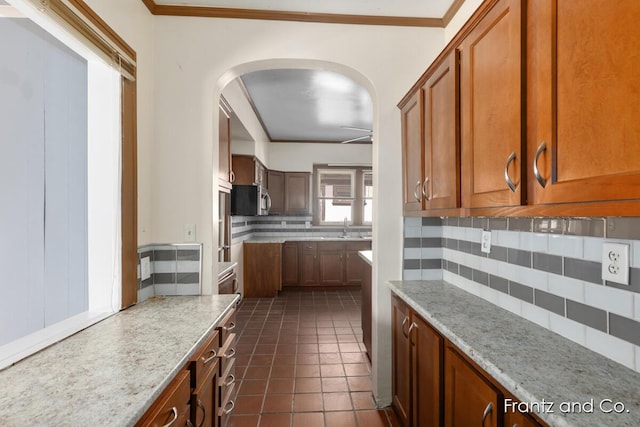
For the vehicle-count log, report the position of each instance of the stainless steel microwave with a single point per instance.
(249, 200)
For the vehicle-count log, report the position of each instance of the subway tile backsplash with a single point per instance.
(175, 270)
(547, 270)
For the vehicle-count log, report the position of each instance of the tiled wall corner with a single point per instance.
(176, 269)
(546, 270)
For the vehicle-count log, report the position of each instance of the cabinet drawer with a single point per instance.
(227, 326)
(227, 353)
(172, 406)
(226, 405)
(204, 359)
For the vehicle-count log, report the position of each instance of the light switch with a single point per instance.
(190, 233)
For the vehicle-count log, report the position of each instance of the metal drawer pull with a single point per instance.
(174, 410)
(204, 412)
(189, 423)
(232, 352)
(230, 328)
(228, 411)
(487, 411)
(415, 191)
(232, 176)
(536, 171)
(210, 358)
(404, 322)
(424, 189)
(413, 325)
(507, 178)
(230, 380)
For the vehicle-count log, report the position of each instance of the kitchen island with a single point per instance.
(532, 363)
(110, 373)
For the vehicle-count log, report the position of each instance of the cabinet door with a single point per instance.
(296, 198)
(275, 188)
(353, 262)
(491, 108)
(401, 381)
(426, 351)
(224, 131)
(584, 94)
(517, 419)
(290, 264)
(204, 401)
(366, 306)
(331, 264)
(441, 179)
(412, 153)
(308, 262)
(262, 269)
(469, 400)
(243, 169)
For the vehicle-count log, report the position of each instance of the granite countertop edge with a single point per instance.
(113, 371)
(549, 363)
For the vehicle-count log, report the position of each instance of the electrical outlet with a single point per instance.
(485, 242)
(615, 263)
(190, 233)
(145, 268)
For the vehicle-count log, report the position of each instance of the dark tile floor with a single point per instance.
(301, 362)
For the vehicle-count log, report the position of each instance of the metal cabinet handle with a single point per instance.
(230, 380)
(507, 178)
(486, 412)
(210, 358)
(174, 410)
(536, 171)
(404, 322)
(413, 325)
(232, 352)
(231, 327)
(232, 176)
(228, 411)
(189, 423)
(415, 191)
(424, 189)
(204, 412)
(268, 201)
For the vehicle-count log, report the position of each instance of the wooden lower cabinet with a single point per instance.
(173, 406)
(226, 386)
(468, 398)
(262, 267)
(435, 385)
(417, 368)
(325, 263)
(228, 284)
(365, 271)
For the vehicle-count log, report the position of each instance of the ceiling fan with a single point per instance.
(360, 138)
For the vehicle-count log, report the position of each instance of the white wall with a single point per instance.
(300, 157)
(193, 57)
(460, 18)
(133, 22)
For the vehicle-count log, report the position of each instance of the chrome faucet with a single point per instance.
(345, 227)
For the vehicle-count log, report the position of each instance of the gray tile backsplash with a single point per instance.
(547, 270)
(175, 270)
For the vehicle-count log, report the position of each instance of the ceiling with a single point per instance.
(300, 105)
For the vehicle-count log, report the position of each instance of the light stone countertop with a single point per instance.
(275, 239)
(225, 267)
(110, 373)
(367, 256)
(531, 362)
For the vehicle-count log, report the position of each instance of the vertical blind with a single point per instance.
(43, 180)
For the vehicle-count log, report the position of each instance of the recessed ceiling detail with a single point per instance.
(296, 105)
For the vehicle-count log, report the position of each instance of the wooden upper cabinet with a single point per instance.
(296, 188)
(224, 129)
(583, 100)
(441, 177)
(412, 155)
(275, 187)
(491, 72)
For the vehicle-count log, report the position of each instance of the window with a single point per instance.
(343, 193)
(60, 160)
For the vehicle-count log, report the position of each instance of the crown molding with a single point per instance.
(330, 18)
